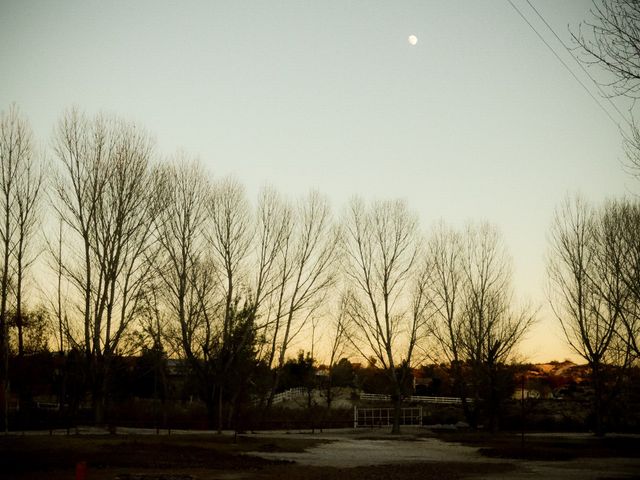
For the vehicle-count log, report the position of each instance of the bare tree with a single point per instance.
(305, 261)
(183, 267)
(613, 276)
(78, 184)
(271, 234)
(491, 326)
(339, 340)
(388, 306)
(445, 251)
(475, 325)
(56, 299)
(589, 319)
(230, 237)
(58, 268)
(233, 326)
(27, 218)
(106, 196)
(623, 221)
(219, 267)
(15, 156)
(612, 41)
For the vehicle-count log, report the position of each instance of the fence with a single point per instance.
(289, 395)
(375, 397)
(383, 417)
(370, 397)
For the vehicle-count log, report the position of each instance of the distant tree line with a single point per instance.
(155, 254)
(150, 254)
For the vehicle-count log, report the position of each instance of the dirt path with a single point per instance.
(349, 449)
(345, 451)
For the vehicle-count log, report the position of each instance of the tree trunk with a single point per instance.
(274, 385)
(493, 406)
(100, 373)
(397, 411)
(460, 387)
(220, 419)
(212, 411)
(5, 385)
(599, 426)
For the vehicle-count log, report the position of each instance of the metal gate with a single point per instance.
(383, 417)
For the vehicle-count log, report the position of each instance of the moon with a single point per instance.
(413, 40)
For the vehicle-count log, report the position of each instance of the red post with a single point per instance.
(81, 471)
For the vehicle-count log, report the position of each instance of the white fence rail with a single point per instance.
(289, 395)
(421, 399)
(299, 392)
(376, 397)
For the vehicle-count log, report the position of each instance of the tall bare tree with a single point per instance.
(475, 324)
(56, 299)
(16, 152)
(181, 224)
(388, 308)
(445, 251)
(305, 270)
(27, 218)
(233, 323)
(492, 327)
(623, 220)
(106, 196)
(58, 308)
(271, 234)
(613, 276)
(230, 237)
(590, 320)
(339, 339)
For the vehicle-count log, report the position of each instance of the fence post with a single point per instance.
(355, 416)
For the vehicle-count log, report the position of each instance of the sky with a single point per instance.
(478, 121)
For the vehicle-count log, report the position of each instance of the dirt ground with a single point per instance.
(337, 454)
(549, 456)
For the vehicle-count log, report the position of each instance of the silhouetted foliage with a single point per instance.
(33, 333)
(298, 372)
(343, 374)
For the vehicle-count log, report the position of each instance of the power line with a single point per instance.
(565, 65)
(566, 47)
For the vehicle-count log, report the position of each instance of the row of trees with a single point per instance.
(449, 294)
(159, 253)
